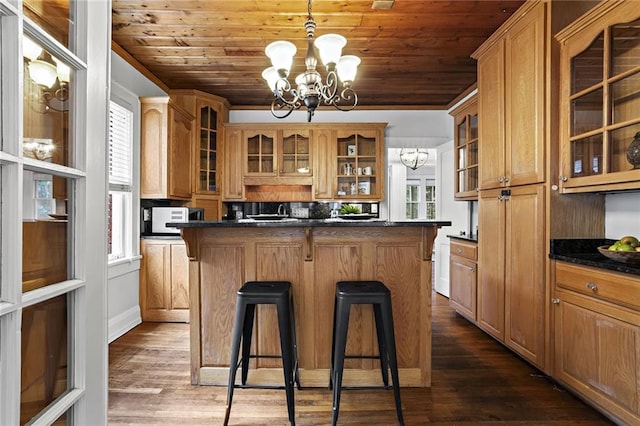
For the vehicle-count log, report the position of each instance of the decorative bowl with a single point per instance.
(630, 257)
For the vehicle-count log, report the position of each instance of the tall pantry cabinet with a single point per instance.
(517, 93)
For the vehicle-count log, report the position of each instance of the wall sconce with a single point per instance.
(414, 157)
(40, 149)
(44, 73)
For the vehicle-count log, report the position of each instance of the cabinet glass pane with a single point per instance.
(461, 180)
(366, 146)
(625, 98)
(213, 119)
(46, 94)
(267, 145)
(619, 141)
(587, 67)
(462, 132)
(625, 47)
(204, 117)
(472, 152)
(44, 375)
(461, 158)
(212, 181)
(52, 16)
(253, 164)
(586, 112)
(253, 145)
(204, 142)
(213, 141)
(473, 127)
(586, 156)
(473, 178)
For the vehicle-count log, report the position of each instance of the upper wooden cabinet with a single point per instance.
(300, 162)
(600, 99)
(210, 113)
(511, 95)
(165, 150)
(465, 141)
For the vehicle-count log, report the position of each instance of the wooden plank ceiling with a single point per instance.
(414, 55)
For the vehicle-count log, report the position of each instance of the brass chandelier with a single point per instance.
(310, 90)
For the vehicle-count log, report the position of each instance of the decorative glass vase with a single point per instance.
(633, 152)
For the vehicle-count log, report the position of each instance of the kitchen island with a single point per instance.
(313, 255)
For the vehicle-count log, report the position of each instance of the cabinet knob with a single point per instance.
(458, 250)
(563, 178)
(506, 178)
(501, 179)
(555, 301)
(592, 286)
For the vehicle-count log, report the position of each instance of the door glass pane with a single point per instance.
(44, 230)
(44, 373)
(587, 67)
(46, 97)
(625, 47)
(52, 16)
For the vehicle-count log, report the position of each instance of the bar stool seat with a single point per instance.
(251, 294)
(363, 292)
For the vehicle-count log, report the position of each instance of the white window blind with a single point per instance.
(120, 136)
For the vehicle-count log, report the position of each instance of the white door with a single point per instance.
(53, 93)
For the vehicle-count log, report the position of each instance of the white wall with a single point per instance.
(123, 304)
(622, 215)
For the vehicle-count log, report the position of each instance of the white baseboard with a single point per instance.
(124, 322)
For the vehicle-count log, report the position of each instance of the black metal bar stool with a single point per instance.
(255, 293)
(363, 292)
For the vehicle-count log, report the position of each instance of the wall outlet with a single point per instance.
(374, 209)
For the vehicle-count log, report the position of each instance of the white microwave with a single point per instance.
(160, 216)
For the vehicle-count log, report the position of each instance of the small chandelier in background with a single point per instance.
(414, 157)
(52, 80)
(310, 90)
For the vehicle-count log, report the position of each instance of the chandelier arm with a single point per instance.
(347, 100)
(330, 89)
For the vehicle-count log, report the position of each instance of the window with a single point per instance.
(120, 181)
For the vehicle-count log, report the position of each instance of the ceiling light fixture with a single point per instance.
(414, 157)
(310, 90)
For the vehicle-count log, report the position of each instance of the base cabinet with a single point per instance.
(462, 278)
(164, 281)
(597, 343)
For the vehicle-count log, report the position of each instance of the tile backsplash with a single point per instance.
(622, 214)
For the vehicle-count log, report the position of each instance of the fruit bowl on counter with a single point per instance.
(625, 250)
(630, 257)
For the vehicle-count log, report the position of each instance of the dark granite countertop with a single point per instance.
(473, 238)
(292, 223)
(585, 252)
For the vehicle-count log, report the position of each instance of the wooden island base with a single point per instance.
(313, 259)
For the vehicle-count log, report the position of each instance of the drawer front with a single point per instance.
(619, 288)
(464, 249)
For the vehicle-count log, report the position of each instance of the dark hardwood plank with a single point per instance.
(476, 381)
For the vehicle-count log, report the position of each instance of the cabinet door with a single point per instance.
(491, 156)
(323, 153)
(153, 150)
(179, 156)
(525, 96)
(466, 152)
(463, 286)
(294, 153)
(154, 285)
(207, 150)
(260, 152)
(491, 243)
(525, 273)
(232, 188)
(598, 354)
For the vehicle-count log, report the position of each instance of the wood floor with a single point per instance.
(475, 381)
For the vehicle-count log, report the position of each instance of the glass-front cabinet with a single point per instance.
(208, 150)
(358, 164)
(600, 115)
(466, 150)
(277, 152)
